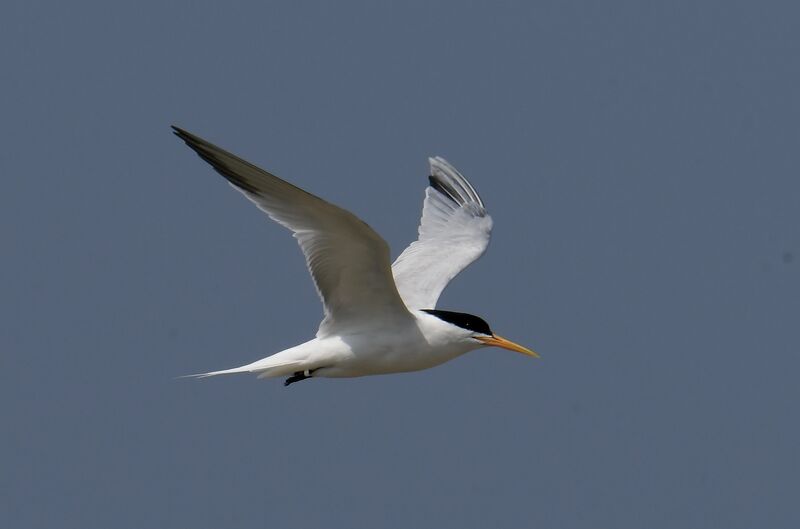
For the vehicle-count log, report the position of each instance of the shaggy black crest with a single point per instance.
(463, 320)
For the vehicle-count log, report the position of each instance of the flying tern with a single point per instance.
(379, 317)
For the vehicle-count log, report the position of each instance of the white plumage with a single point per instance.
(454, 231)
(378, 318)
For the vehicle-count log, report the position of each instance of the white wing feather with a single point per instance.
(348, 260)
(453, 232)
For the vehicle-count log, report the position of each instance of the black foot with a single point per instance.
(298, 376)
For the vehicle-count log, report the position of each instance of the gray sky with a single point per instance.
(640, 161)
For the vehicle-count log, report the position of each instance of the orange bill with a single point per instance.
(499, 341)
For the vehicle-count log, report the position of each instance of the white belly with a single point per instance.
(372, 349)
(363, 354)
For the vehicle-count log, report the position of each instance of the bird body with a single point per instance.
(421, 343)
(379, 317)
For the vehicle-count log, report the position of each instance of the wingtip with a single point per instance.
(441, 168)
(438, 165)
(444, 175)
(181, 133)
(196, 143)
(437, 161)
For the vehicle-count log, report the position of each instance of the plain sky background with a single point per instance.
(640, 160)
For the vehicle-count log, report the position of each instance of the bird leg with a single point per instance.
(298, 376)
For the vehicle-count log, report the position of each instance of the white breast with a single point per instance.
(370, 351)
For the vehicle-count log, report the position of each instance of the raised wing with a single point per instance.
(348, 260)
(453, 232)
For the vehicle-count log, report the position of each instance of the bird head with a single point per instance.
(478, 331)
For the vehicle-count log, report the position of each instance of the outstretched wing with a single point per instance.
(453, 232)
(348, 260)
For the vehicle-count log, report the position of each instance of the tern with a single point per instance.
(379, 317)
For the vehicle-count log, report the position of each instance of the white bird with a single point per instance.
(379, 317)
